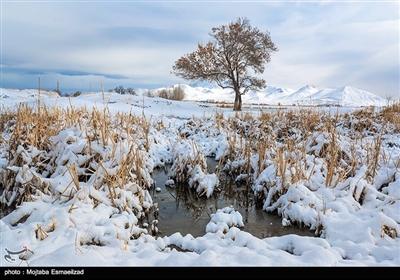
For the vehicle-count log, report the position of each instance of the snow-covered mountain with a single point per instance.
(307, 95)
(301, 95)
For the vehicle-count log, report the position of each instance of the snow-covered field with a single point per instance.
(86, 189)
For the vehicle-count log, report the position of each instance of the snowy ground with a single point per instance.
(357, 220)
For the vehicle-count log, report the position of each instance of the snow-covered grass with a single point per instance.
(78, 172)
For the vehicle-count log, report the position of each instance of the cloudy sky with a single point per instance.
(83, 44)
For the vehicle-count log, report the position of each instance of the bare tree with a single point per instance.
(120, 90)
(148, 93)
(235, 52)
(131, 91)
(178, 93)
(163, 93)
(389, 97)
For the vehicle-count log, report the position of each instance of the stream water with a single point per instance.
(182, 210)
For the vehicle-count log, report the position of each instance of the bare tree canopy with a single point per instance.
(235, 53)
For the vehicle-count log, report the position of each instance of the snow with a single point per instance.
(78, 225)
(346, 96)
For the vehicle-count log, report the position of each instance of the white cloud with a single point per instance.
(321, 43)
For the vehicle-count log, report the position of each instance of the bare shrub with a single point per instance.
(76, 93)
(163, 94)
(178, 93)
(131, 91)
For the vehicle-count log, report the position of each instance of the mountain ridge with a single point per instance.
(306, 95)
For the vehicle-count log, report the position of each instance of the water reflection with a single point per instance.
(182, 210)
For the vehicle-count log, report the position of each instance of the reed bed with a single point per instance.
(297, 144)
(88, 147)
(110, 155)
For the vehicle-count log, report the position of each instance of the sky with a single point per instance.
(82, 45)
(355, 219)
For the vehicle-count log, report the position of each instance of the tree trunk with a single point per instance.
(237, 106)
